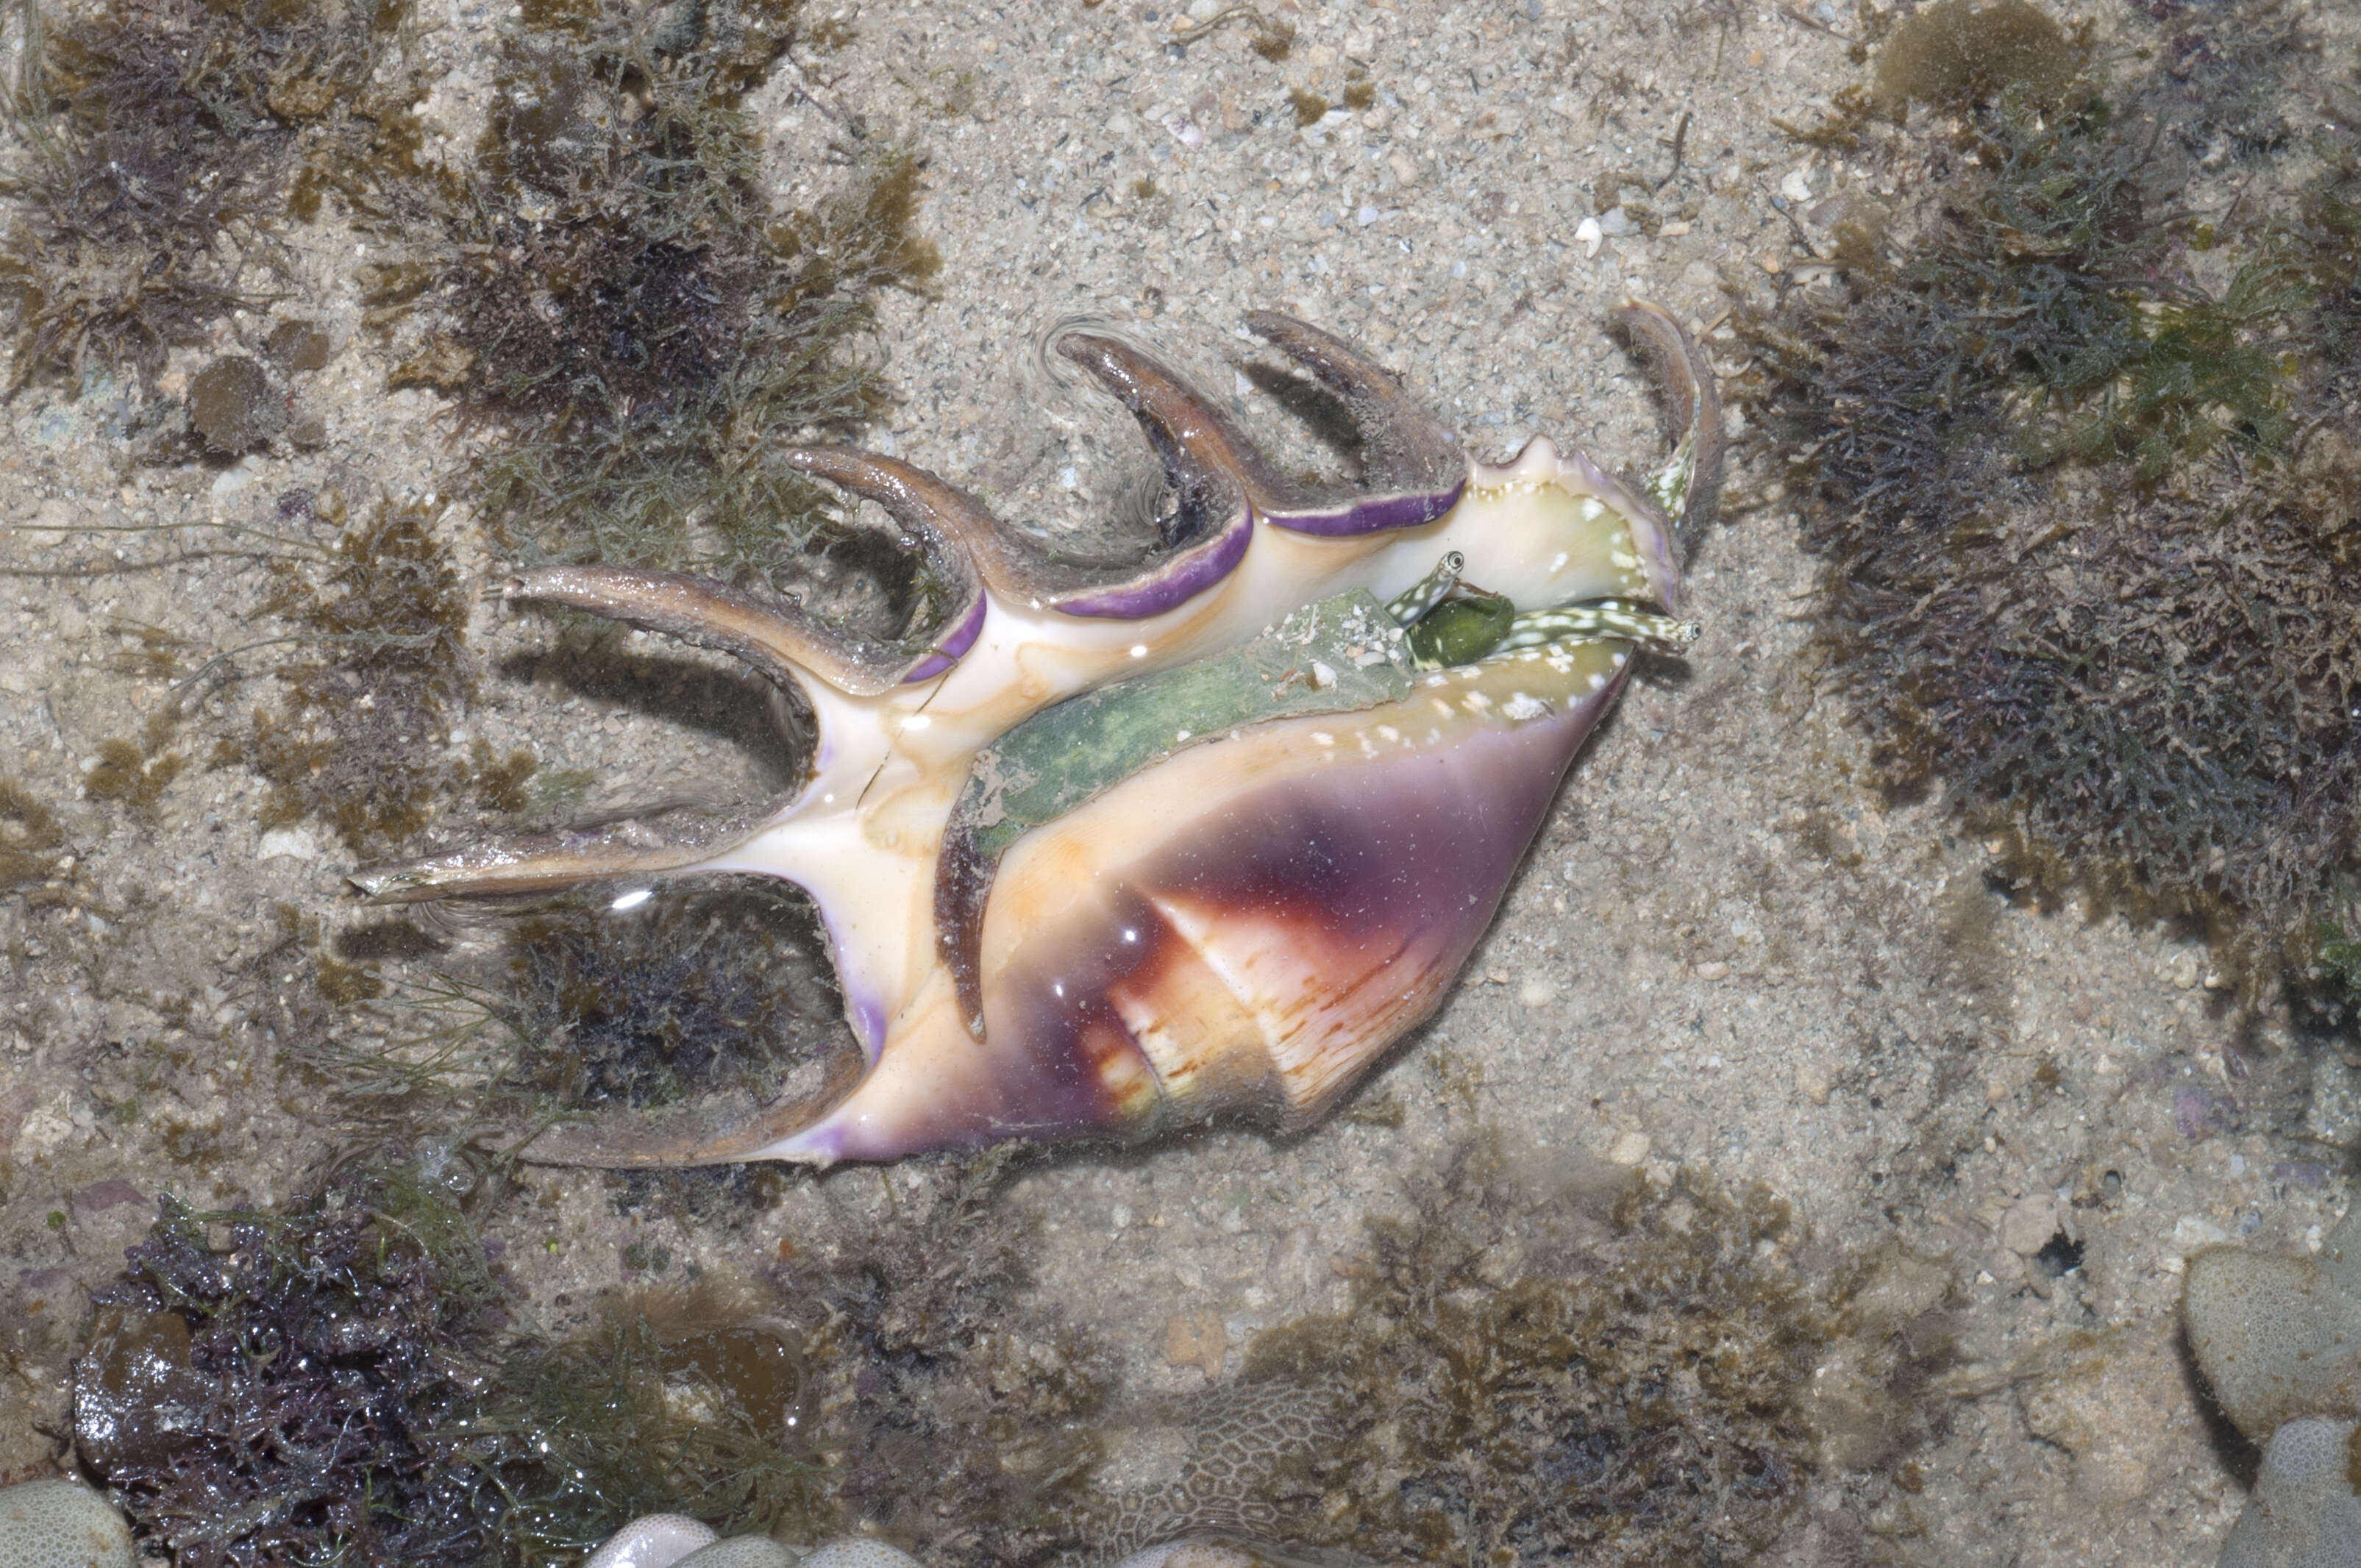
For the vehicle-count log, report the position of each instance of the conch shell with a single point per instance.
(1102, 856)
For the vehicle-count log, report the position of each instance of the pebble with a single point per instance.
(858, 1552)
(2028, 1226)
(742, 1552)
(1631, 1149)
(1811, 1083)
(1193, 1554)
(62, 1524)
(653, 1540)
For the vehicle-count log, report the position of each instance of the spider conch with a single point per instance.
(1109, 853)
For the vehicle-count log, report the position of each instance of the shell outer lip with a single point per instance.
(949, 650)
(1181, 580)
(1373, 514)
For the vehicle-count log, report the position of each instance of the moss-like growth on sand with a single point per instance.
(29, 837)
(1956, 54)
(382, 672)
(1602, 1375)
(619, 295)
(164, 144)
(2084, 474)
(699, 1401)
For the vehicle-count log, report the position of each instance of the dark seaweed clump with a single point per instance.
(712, 988)
(620, 296)
(382, 674)
(703, 991)
(345, 1380)
(301, 1389)
(164, 143)
(947, 1367)
(2086, 473)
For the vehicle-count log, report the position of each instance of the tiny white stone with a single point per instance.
(1323, 675)
(1589, 235)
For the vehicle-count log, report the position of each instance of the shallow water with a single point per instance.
(1997, 1126)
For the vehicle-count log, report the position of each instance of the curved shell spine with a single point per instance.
(1240, 923)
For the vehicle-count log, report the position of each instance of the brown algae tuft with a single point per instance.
(381, 674)
(2083, 473)
(1953, 54)
(162, 144)
(234, 407)
(30, 837)
(619, 297)
(1574, 1365)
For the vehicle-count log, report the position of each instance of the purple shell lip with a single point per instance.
(1375, 514)
(1175, 583)
(950, 649)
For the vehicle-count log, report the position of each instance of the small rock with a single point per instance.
(1199, 1340)
(1713, 969)
(298, 843)
(299, 345)
(2192, 1231)
(2028, 1226)
(1629, 1149)
(234, 407)
(2278, 1338)
(60, 1524)
(101, 1196)
(1536, 992)
(1811, 1083)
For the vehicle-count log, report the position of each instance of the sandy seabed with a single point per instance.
(1728, 952)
